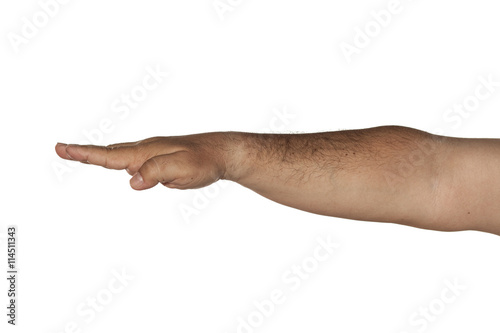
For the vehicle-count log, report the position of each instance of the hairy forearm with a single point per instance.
(358, 174)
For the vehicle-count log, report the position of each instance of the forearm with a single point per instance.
(356, 174)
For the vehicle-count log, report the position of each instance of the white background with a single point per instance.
(233, 71)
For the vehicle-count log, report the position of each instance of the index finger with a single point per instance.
(109, 157)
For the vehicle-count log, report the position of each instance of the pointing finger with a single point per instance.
(108, 157)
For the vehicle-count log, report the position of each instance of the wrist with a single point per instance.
(234, 155)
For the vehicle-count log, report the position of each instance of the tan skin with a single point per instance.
(385, 174)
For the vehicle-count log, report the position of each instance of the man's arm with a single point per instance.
(385, 174)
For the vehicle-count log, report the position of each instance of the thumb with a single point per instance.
(158, 169)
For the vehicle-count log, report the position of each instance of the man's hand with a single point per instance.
(182, 162)
(385, 174)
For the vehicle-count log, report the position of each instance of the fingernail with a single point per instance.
(137, 180)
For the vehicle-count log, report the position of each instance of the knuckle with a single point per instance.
(149, 140)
